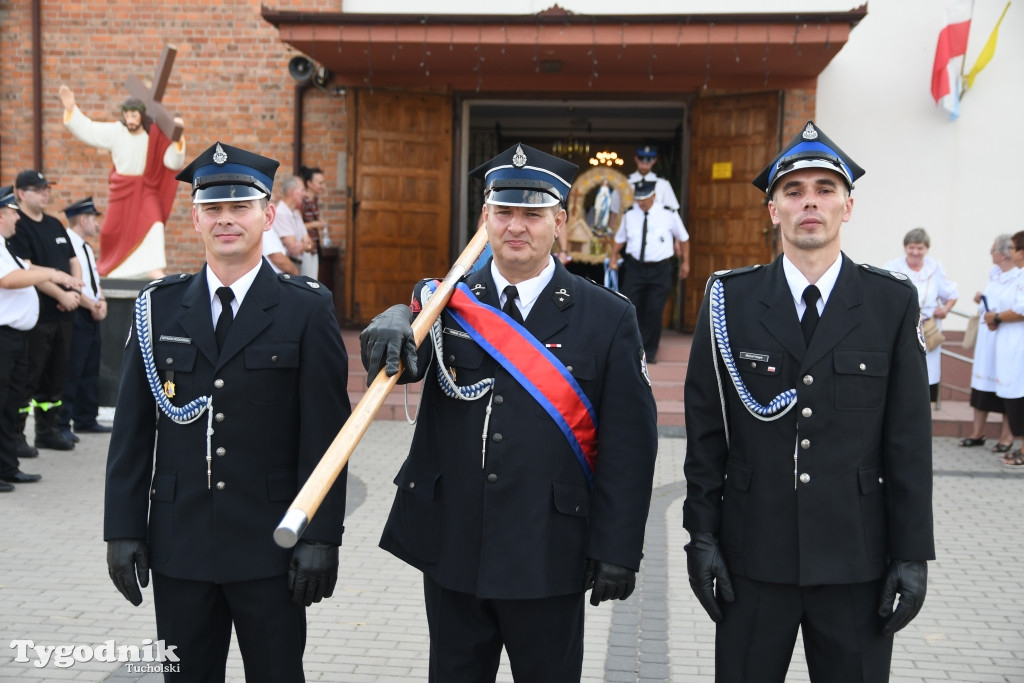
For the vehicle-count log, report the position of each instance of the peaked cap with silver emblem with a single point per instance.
(644, 189)
(224, 173)
(524, 176)
(811, 148)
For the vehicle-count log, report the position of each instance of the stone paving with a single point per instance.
(54, 588)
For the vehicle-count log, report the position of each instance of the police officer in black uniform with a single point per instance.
(808, 462)
(232, 387)
(494, 504)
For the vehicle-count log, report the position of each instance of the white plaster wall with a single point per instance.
(957, 178)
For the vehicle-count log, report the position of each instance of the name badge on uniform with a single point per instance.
(759, 362)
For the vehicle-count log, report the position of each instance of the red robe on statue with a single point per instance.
(135, 204)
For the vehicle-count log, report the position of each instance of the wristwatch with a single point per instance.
(996, 319)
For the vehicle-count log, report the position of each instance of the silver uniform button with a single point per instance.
(807, 412)
(222, 451)
(863, 367)
(273, 359)
(808, 380)
(170, 361)
(569, 368)
(219, 417)
(492, 478)
(805, 478)
(412, 485)
(497, 437)
(881, 480)
(221, 486)
(218, 383)
(498, 399)
(805, 444)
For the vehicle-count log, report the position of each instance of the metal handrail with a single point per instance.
(956, 356)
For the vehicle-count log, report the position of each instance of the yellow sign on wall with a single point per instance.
(721, 170)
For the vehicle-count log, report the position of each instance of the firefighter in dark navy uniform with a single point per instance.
(529, 476)
(808, 462)
(232, 387)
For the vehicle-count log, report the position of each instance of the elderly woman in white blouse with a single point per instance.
(936, 293)
(984, 376)
(1006, 318)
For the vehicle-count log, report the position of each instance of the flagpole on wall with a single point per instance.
(986, 54)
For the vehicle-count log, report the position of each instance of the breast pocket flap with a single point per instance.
(863, 363)
(171, 356)
(271, 356)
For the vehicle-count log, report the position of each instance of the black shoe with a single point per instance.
(94, 428)
(66, 433)
(5, 487)
(54, 441)
(20, 477)
(22, 450)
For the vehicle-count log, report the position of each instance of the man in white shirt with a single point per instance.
(292, 231)
(651, 234)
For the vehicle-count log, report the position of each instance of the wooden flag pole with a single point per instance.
(338, 453)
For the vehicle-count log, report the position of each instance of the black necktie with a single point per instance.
(643, 239)
(226, 316)
(510, 308)
(88, 263)
(810, 321)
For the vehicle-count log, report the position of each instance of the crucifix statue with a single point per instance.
(142, 185)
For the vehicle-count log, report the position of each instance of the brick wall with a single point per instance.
(230, 82)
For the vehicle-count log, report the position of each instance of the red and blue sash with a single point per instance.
(535, 368)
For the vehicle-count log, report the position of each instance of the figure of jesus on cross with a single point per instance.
(142, 184)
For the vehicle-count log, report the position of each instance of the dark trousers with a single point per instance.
(49, 345)
(543, 637)
(841, 628)
(196, 617)
(13, 375)
(648, 285)
(81, 386)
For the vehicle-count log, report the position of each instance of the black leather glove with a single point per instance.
(609, 581)
(910, 580)
(128, 566)
(313, 572)
(705, 565)
(386, 340)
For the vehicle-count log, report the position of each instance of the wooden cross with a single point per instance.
(152, 98)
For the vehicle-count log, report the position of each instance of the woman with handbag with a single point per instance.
(984, 377)
(936, 293)
(1006, 318)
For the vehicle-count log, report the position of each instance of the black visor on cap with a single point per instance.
(522, 193)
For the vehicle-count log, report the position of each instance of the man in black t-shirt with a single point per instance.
(42, 239)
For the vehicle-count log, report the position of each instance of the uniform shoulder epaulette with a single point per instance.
(732, 272)
(888, 274)
(607, 289)
(304, 282)
(166, 280)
